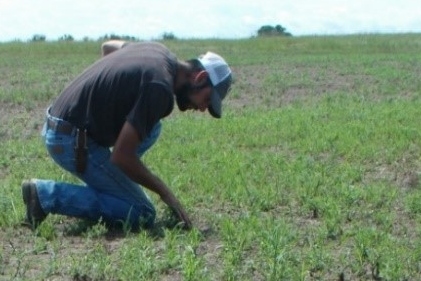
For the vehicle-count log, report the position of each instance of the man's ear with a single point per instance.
(201, 78)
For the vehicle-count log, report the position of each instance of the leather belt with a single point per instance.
(60, 127)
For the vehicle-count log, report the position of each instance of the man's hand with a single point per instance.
(178, 210)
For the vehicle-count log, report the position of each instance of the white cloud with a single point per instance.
(218, 18)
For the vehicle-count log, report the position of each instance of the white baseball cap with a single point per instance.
(220, 76)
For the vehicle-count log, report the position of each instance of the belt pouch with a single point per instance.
(81, 151)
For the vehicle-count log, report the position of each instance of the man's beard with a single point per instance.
(183, 96)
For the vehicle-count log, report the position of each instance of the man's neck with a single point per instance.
(183, 74)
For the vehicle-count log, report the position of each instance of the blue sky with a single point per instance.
(20, 19)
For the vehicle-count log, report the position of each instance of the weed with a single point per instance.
(311, 174)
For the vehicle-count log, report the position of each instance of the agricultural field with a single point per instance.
(311, 174)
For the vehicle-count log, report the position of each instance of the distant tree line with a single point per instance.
(263, 31)
(106, 37)
(268, 30)
(69, 38)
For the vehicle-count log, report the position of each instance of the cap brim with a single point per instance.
(215, 107)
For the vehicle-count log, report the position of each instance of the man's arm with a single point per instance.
(110, 46)
(124, 156)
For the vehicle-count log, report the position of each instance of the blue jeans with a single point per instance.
(109, 194)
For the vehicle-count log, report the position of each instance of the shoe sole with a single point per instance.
(26, 195)
(28, 192)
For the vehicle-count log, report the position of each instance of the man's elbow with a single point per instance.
(124, 160)
(118, 160)
(111, 46)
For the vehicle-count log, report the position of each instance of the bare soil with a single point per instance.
(22, 258)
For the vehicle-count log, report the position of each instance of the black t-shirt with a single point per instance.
(133, 84)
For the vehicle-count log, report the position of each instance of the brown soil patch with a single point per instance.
(19, 252)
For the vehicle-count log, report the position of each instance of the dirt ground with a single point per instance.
(17, 241)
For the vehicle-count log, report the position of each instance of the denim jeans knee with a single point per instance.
(108, 194)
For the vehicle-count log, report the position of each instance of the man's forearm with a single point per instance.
(139, 173)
